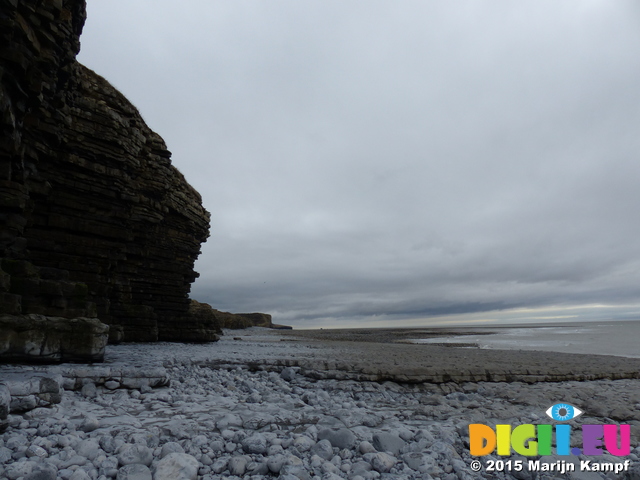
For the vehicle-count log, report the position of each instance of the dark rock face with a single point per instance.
(230, 320)
(95, 222)
(206, 326)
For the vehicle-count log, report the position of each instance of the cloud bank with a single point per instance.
(395, 162)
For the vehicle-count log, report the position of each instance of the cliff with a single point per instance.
(95, 222)
(234, 321)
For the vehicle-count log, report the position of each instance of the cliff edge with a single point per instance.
(95, 222)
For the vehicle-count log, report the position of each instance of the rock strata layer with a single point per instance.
(95, 222)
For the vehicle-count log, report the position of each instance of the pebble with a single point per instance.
(134, 471)
(176, 466)
(130, 454)
(255, 443)
(171, 447)
(340, 437)
(212, 423)
(388, 442)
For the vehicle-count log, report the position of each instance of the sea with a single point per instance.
(619, 338)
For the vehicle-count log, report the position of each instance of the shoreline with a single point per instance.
(594, 338)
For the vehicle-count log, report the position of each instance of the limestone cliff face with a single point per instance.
(233, 321)
(94, 219)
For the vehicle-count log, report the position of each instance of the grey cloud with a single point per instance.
(394, 160)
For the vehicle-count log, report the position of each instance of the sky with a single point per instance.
(396, 163)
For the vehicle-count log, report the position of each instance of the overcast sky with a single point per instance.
(395, 163)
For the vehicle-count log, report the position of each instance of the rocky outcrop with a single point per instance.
(95, 222)
(230, 320)
(36, 338)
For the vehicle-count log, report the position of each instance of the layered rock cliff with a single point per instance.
(233, 321)
(95, 222)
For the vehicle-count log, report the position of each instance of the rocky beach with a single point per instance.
(99, 235)
(264, 403)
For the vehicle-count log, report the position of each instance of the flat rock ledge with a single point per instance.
(145, 366)
(41, 339)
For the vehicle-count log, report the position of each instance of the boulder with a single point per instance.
(338, 437)
(36, 338)
(388, 442)
(177, 466)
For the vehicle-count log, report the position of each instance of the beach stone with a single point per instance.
(276, 462)
(293, 460)
(288, 476)
(323, 449)
(341, 437)
(584, 476)
(217, 446)
(134, 472)
(383, 462)
(89, 424)
(297, 471)
(257, 468)
(80, 474)
(418, 461)
(108, 443)
(328, 467)
(388, 442)
(237, 465)
(89, 390)
(219, 465)
(75, 460)
(19, 469)
(366, 447)
(361, 468)
(331, 476)
(135, 453)
(229, 420)
(36, 451)
(88, 449)
(108, 467)
(274, 449)
(288, 374)
(303, 443)
(43, 472)
(200, 440)
(5, 401)
(171, 447)
(5, 455)
(256, 444)
(16, 441)
(425, 436)
(176, 466)
(112, 384)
